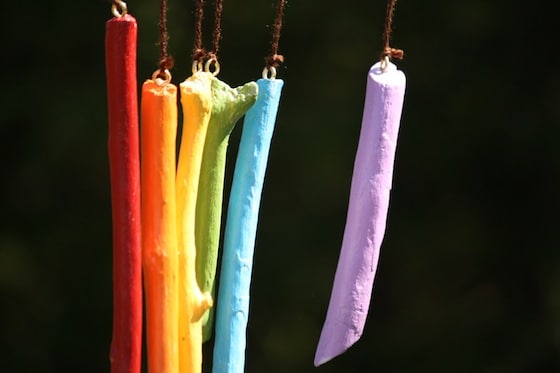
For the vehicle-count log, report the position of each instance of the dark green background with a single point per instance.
(469, 276)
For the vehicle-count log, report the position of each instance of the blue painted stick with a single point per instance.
(241, 226)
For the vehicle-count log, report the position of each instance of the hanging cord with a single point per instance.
(199, 53)
(165, 60)
(216, 37)
(162, 76)
(389, 52)
(275, 59)
(119, 8)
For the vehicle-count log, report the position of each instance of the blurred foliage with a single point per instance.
(469, 277)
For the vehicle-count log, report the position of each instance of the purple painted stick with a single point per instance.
(367, 213)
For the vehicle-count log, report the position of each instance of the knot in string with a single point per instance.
(274, 60)
(199, 54)
(166, 63)
(211, 56)
(392, 53)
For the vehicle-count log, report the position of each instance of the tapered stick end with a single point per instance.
(336, 338)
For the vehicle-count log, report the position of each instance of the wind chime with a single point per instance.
(167, 211)
(180, 201)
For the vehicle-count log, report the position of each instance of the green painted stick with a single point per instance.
(228, 106)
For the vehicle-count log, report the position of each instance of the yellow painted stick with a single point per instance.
(159, 238)
(196, 98)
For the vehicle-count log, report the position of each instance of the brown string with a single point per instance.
(217, 36)
(165, 61)
(275, 59)
(387, 50)
(199, 53)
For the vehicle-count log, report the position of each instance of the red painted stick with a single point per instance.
(120, 52)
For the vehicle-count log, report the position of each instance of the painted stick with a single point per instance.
(120, 52)
(196, 98)
(228, 105)
(241, 227)
(367, 213)
(159, 242)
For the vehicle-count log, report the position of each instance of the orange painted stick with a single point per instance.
(159, 239)
(120, 52)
